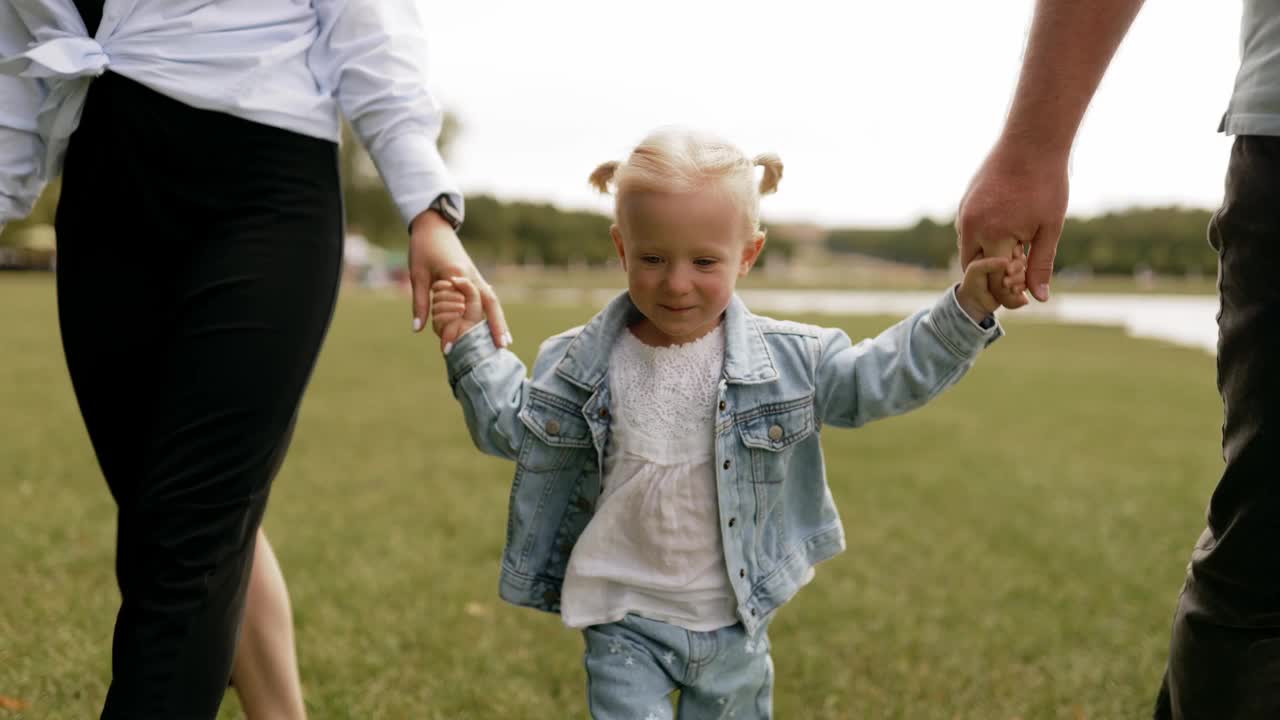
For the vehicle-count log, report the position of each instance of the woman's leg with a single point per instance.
(198, 261)
(265, 673)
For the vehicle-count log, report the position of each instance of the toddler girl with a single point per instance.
(670, 492)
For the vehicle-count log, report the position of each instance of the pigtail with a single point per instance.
(603, 175)
(772, 165)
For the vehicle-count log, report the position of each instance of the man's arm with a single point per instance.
(1071, 45)
(1019, 194)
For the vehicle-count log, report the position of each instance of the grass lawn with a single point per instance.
(1015, 548)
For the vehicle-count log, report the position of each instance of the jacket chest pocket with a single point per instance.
(770, 431)
(556, 434)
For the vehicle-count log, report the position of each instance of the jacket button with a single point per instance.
(726, 464)
(775, 433)
(722, 406)
(742, 572)
(553, 427)
(732, 521)
(753, 612)
(604, 412)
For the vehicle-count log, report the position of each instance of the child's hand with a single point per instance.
(1015, 278)
(974, 293)
(455, 309)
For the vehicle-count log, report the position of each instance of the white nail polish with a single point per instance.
(417, 324)
(447, 348)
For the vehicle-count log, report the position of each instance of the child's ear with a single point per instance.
(751, 252)
(616, 234)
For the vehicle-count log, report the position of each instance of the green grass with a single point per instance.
(1015, 548)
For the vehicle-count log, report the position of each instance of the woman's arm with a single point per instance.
(22, 172)
(372, 55)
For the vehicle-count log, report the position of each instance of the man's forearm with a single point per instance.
(1070, 46)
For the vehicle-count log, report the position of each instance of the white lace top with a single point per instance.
(653, 547)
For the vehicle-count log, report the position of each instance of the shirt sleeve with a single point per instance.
(901, 369)
(22, 173)
(371, 54)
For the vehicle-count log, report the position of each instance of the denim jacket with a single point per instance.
(782, 382)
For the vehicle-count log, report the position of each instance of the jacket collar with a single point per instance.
(746, 355)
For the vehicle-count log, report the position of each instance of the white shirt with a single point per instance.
(653, 546)
(287, 63)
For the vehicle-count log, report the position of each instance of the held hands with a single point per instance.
(1018, 196)
(435, 254)
(455, 308)
(989, 282)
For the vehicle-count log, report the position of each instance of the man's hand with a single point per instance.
(435, 253)
(974, 293)
(1018, 196)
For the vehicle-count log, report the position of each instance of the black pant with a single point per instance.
(1224, 659)
(198, 265)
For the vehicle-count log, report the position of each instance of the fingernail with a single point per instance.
(1042, 292)
(447, 348)
(508, 339)
(417, 324)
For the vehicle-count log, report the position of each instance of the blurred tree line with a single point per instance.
(1167, 241)
(516, 232)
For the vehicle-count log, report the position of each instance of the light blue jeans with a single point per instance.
(634, 665)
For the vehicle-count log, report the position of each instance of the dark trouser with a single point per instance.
(198, 264)
(1224, 659)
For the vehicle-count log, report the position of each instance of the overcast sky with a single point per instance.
(880, 111)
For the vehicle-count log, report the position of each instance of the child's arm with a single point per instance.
(912, 362)
(489, 382)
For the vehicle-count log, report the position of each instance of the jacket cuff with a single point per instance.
(469, 350)
(415, 174)
(965, 336)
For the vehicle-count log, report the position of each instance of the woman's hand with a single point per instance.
(436, 253)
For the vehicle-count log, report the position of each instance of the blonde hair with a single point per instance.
(679, 161)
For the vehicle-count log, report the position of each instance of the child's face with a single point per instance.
(683, 253)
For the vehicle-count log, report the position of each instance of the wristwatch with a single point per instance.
(447, 210)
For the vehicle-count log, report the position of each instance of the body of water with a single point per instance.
(1187, 320)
